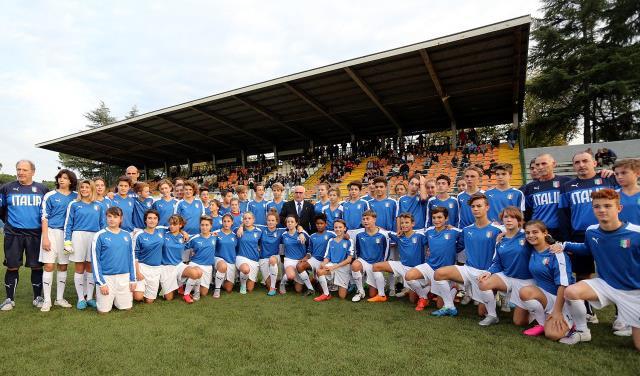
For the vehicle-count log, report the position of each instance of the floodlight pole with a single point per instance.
(523, 169)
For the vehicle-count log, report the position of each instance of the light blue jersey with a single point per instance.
(338, 250)
(126, 204)
(259, 210)
(386, 213)
(411, 249)
(139, 209)
(550, 270)
(82, 216)
(165, 209)
(54, 208)
(204, 249)
(148, 246)
(332, 215)
(452, 206)
(112, 254)
(293, 249)
(174, 246)
(318, 244)
(191, 212)
(512, 257)
(415, 206)
(249, 242)
(352, 213)
(227, 246)
(630, 208)
(443, 246)
(498, 200)
(372, 248)
(480, 244)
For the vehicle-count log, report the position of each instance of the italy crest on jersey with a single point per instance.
(597, 181)
(556, 184)
(489, 234)
(197, 206)
(344, 245)
(126, 238)
(255, 235)
(34, 189)
(326, 237)
(96, 207)
(180, 241)
(377, 241)
(386, 205)
(625, 243)
(509, 196)
(545, 261)
(521, 242)
(414, 240)
(447, 236)
(451, 205)
(358, 206)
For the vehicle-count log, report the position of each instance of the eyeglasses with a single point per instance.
(299, 193)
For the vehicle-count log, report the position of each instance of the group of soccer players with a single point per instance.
(436, 245)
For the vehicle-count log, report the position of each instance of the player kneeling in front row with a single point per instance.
(203, 250)
(372, 246)
(615, 246)
(247, 260)
(509, 271)
(336, 264)
(552, 274)
(113, 264)
(147, 245)
(443, 245)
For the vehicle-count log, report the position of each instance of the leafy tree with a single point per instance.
(133, 112)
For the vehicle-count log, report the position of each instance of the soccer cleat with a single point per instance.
(618, 325)
(466, 299)
(422, 303)
(38, 302)
(243, 290)
(445, 312)
(592, 319)
(7, 305)
(624, 332)
(534, 331)
(216, 293)
(272, 293)
(377, 299)
(46, 306)
(321, 298)
(187, 298)
(489, 320)
(81, 305)
(333, 287)
(402, 293)
(309, 292)
(283, 289)
(92, 303)
(575, 337)
(392, 292)
(358, 297)
(181, 289)
(62, 303)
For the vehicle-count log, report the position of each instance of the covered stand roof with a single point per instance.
(475, 78)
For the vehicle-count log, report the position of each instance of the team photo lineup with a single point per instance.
(550, 251)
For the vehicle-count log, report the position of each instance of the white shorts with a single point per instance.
(437, 287)
(231, 270)
(470, 278)
(628, 302)
(170, 276)
(151, 282)
(293, 263)
(82, 241)
(207, 274)
(119, 293)
(513, 288)
(341, 276)
(399, 270)
(264, 269)
(551, 301)
(315, 264)
(56, 237)
(253, 267)
(367, 271)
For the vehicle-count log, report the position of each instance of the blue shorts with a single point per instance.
(17, 245)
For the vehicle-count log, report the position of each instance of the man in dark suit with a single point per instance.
(300, 207)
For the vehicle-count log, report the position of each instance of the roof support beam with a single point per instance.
(516, 70)
(188, 128)
(437, 84)
(374, 98)
(318, 107)
(269, 115)
(165, 138)
(141, 144)
(104, 144)
(93, 151)
(231, 124)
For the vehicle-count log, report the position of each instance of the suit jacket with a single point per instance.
(306, 216)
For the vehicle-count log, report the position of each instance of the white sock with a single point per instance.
(378, 277)
(489, 300)
(283, 281)
(47, 280)
(323, 283)
(243, 279)
(417, 287)
(357, 278)
(305, 278)
(219, 279)
(61, 284)
(89, 285)
(537, 309)
(448, 296)
(191, 283)
(273, 275)
(392, 282)
(78, 281)
(578, 313)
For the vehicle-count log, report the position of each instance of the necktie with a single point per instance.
(299, 208)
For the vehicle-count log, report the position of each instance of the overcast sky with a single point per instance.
(60, 58)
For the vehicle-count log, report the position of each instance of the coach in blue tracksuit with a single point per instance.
(21, 210)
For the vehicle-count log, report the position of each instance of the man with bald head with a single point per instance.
(21, 210)
(301, 208)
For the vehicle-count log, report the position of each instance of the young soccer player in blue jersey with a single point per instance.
(101, 191)
(336, 263)
(54, 212)
(124, 202)
(615, 246)
(399, 190)
(627, 172)
(174, 270)
(203, 250)
(503, 194)
(479, 244)
(112, 256)
(371, 247)
(317, 246)
(414, 201)
(143, 202)
(333, 210)
(166, 204)
(190, 208)
(411, 249)
(269, 251)
(443, 200)
(509, 270)
(247, 260)
(472, 176)
(443, 244)
(554, 314)
(277, 201)
(203, 195)
(225, 205)
(354, 207)
(216, 217)
(366, 192)
(258, 206)
(225, 260)
(323, 197)
(294, 251)
(147, 246)
(236, 213)
(243, 198)
(84, 218)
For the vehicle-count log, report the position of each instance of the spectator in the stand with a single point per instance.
(473, 136)
(605, 156)
(404, 171)
(512, 136)
(454, 161)
(489, 170)
(464, 162)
